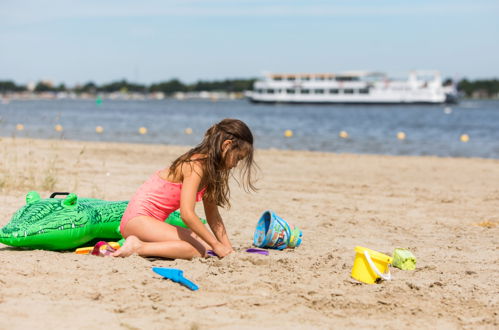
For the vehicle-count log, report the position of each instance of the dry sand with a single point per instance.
(444, 210)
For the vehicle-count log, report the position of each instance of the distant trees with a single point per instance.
(174, 85)
(10, 86)
(235, 85)
(89, 87)
(477, 88)
(122, 86)
(44, 87)
(168, 87)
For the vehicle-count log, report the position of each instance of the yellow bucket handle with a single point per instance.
(386, 277)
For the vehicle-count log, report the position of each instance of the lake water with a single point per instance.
(429, 130)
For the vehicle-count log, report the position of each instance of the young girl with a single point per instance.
(202, 173)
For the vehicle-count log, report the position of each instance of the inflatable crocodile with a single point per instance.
(66, 223)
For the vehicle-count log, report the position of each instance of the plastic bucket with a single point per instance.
(274, 232)
(370, 266)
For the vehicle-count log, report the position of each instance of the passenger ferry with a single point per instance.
(352, 88)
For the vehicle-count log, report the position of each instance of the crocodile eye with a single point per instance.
(32, 197)
(70, 200)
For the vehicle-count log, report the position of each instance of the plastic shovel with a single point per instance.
(176, 275)
(251, 250)
(258, 251)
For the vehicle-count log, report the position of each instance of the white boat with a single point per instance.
(352, 88)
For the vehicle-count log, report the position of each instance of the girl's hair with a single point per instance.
(216, 174)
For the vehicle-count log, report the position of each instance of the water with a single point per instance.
(430, 130)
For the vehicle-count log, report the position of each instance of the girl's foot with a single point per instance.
(131, 246)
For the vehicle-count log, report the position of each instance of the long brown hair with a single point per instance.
(216, 174)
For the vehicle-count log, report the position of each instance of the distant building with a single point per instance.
(31, 86)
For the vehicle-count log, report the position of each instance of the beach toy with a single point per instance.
(176, 275)
(257, 251)
(274, 232)
(103, 249)
(89, 249)
(370, 266)
(62, 223)
(66, 223)
(404, 259)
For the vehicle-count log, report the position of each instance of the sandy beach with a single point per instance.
(444, 210)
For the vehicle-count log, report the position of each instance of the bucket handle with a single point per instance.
(386, 277)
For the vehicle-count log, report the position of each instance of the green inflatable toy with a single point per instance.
(66, 223)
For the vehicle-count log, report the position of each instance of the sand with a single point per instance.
(444, 210)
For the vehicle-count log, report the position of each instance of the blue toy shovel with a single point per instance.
(176, 275)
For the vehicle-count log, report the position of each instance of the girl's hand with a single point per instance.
(222, 250)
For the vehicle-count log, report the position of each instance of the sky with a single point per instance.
(148, 41)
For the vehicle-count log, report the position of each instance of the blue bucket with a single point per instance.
(274, 232)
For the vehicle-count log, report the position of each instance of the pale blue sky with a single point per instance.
(155, 40)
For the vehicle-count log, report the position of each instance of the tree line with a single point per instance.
(481, 88)
(167, 87)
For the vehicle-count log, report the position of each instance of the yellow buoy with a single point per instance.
(464, 138)
(288, 133)
(20, 127)
(188, 131)
(143, 130)
(343, 135)
(99, 129)
(58, 128)
(401, 136)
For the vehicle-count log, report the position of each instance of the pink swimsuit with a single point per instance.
(156, 198)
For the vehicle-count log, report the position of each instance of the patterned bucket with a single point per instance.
(274, 232)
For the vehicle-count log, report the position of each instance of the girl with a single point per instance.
(202, 173)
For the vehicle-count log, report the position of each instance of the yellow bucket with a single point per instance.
(370, 266)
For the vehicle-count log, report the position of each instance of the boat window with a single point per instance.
(290, 91)
(348, 91)
(305, 78)
(363, 91)
(277, 78)
(334, 91)
(259, 91)
(318, 91)
(291, 78)
(305, 91)
(270, 91)
(347, 78)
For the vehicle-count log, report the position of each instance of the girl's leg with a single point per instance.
(168, 249)
(152, 230)
(150, 237)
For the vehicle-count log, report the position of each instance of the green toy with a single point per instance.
(404, 259)
(63, 224)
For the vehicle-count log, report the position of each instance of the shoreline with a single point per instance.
(260, 149)
(444, 210)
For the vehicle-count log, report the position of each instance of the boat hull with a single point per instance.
(347, 103)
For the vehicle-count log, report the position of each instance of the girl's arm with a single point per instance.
(216, 223)
(192, 173)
